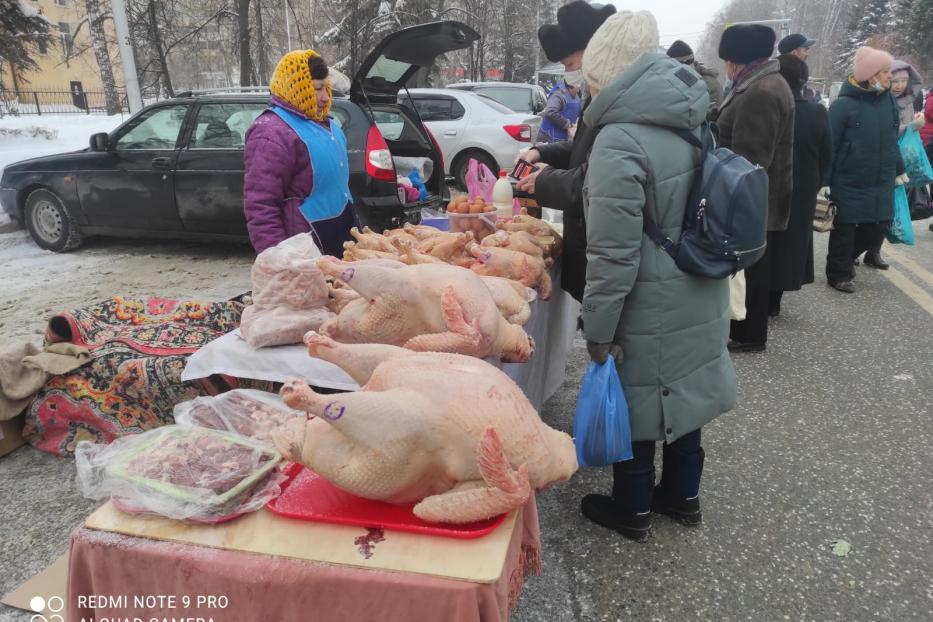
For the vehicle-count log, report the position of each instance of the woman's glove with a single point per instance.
(901, 180)
(919, 120)
(599, 352)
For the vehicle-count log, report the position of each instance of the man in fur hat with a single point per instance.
(756, 121)
(563, 164)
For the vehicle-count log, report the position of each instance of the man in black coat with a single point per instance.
(559, 183)
(756, 120)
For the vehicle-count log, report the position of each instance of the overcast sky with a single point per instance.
(677, 19)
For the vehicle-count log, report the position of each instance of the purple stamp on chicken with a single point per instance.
(347, 274)
(334, 411)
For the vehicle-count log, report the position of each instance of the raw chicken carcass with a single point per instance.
(422, 232)
(520, 241)
(424, 307)
(450, 248)
(371, 241)
(451, 433)
(537, 228)
(511, 297)
(353, 252)
(528, 270)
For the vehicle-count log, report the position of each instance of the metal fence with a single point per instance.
(40, 102)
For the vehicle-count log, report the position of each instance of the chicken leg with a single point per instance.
(358, 360)
(505, 489)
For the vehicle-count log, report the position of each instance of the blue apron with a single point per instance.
(571, 112)
(327, 150)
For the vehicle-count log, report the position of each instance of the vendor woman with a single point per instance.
(297, 172)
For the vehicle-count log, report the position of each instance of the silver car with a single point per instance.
(467, 125)
(528, 98)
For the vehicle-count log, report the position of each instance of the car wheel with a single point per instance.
(49, 223)
(463, 165)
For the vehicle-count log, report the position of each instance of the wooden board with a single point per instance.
(478, 561)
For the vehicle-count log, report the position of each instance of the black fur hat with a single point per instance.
(744, 43)
(576, 23)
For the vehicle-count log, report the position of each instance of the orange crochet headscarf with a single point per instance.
(292, 84)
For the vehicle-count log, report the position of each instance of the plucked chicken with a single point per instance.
(426, 307)
(451, 433)
(528, 270)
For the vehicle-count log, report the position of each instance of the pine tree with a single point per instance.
(871, 23)
(22, 30)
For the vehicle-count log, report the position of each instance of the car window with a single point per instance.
(223, 126)
(489, 101)
(155, 129)
(516, 99)
(434, 109)
(341, 116)
(390, 123)
(456, 110)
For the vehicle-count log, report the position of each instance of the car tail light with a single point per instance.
(379, 163)
(521, 133)
(437, 148)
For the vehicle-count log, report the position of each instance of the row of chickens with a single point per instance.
(417, 287)
(521, 250)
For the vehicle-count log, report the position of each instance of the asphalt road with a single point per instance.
(830, 442)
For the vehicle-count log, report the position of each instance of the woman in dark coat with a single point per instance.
(792, 250)
(866, 164)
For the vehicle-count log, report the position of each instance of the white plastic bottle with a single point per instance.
(502, 196)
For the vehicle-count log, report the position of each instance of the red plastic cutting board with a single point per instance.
(308, 496)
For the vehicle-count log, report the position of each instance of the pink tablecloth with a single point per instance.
(263, 587)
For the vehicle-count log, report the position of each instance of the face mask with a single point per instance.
(877, 86)
(574, 78)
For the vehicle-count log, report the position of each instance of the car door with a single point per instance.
(447, 119)
(130, 186)
(209, 174)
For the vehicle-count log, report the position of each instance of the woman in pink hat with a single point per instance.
(866, 165)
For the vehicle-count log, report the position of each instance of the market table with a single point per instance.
(265, 567)
(552, 325)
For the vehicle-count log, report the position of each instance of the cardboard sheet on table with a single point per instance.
(308, 496)
(478, 560)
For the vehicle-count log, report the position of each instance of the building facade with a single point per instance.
(68, 62)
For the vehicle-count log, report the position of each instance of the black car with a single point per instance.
(175, 169)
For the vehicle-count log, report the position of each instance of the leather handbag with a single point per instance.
(824, 215)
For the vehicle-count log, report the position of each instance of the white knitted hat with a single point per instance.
(619, 41)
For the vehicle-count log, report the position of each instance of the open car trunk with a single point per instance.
(386, 71)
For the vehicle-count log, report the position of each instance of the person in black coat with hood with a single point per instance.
(792, 249)
(559, 183)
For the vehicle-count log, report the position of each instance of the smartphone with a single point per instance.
(523, 169)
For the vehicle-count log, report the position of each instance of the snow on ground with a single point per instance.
(23, 137)
(37, 283)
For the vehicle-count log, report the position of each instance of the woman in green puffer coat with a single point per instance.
(669, 328)
(866, 163)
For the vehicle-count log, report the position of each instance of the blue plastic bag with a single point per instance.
(418, 183)
(916, 163)
(901, 230)
(601, 430)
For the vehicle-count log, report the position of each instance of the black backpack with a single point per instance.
(726, 221)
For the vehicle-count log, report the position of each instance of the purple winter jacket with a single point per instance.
(278, 179)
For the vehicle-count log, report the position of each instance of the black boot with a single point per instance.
(678, 494)
(875, 261)
(628, 510)
(604, 511)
